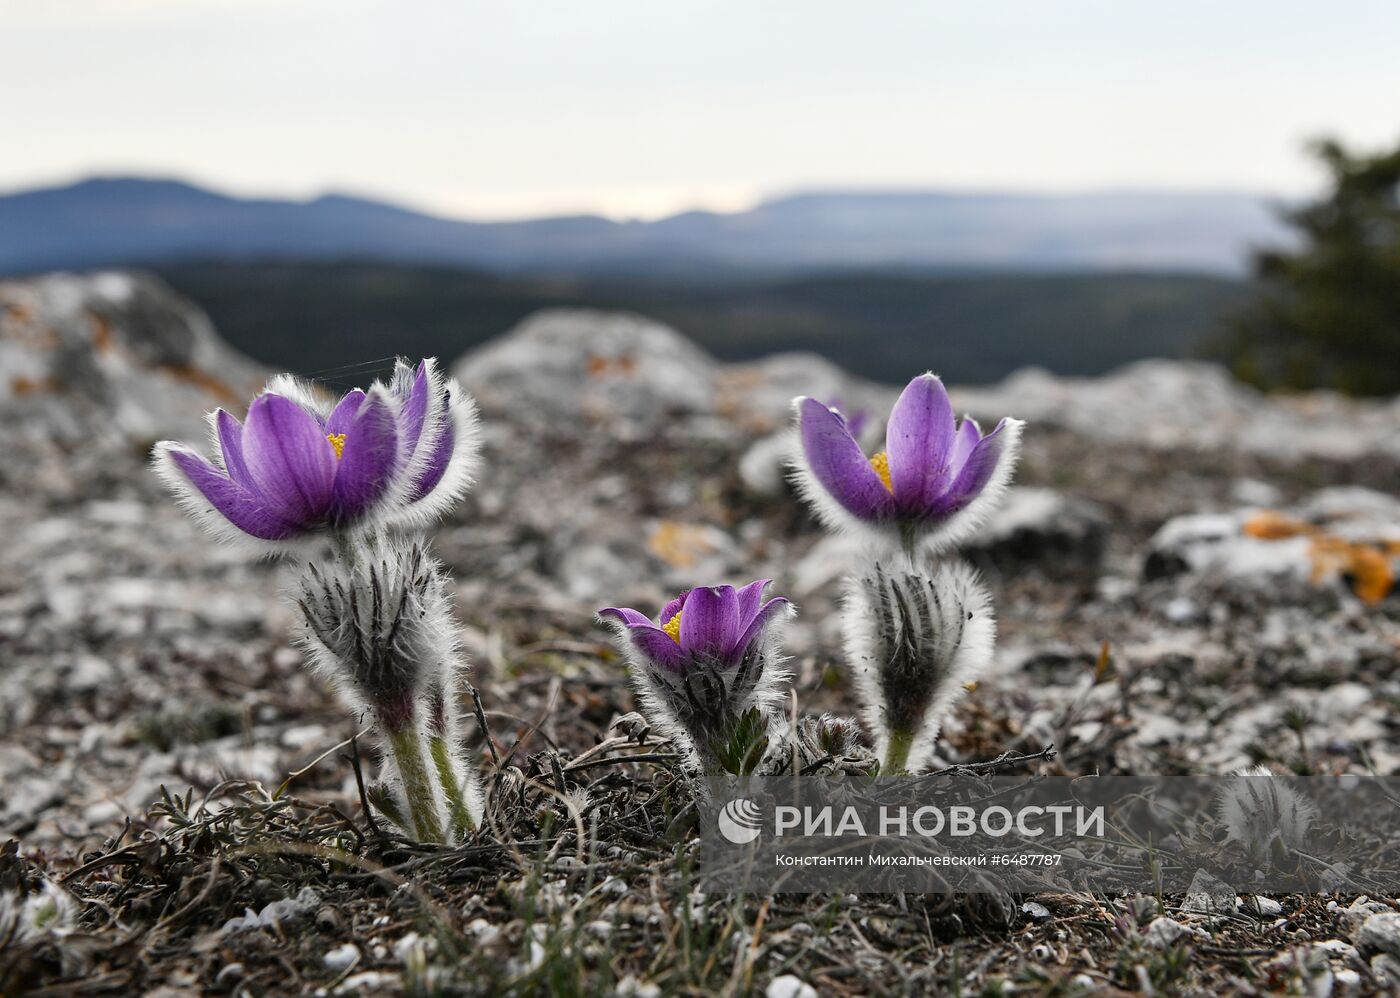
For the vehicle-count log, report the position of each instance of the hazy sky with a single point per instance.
(648, 106)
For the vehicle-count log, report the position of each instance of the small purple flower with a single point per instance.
(439, 422)
(708, 673)
(935, 477)
(398, 453)
(716, 625)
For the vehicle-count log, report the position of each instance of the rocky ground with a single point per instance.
(1190, 578)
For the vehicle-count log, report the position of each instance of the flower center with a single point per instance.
(338, 442)
(881, 463)
(673, 627)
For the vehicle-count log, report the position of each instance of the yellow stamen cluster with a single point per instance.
(673, 627)
(338, 442)
(881, 463)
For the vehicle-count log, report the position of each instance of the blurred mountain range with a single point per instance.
(122, 220)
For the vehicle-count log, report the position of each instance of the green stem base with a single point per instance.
(451, 786)
(407, 749)
(897, 755)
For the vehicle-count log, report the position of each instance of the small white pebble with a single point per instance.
(789, 986)
(1035, 911)
(405, 947)
(342, 958)
(1263, 906)
(486, 934)
(369, 982)
(1339, 948)
(630, 987)
(614, 886)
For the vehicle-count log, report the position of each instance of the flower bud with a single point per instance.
(1264, 814)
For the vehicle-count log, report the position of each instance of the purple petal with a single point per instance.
(231, 444)
(245, 510)
(710, 621)
(838, 463)
(918, 440)
(760, 621)
(750, 598)
(626, 616)
(368, 458)
(441, 455)
(415, 408)
(672, 608)
(968, 435)
(289, 458)
(975, 474)
(339, 419)
(657, 646)
(855, 422)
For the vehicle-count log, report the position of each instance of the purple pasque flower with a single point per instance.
(301, 464)
(288, 471)
(935, 479)
(708, 673)
(716, 625)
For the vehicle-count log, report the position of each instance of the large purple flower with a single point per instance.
(718, 625)
(935, 478)
(298, 464)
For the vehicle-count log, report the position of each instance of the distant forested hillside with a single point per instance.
(112, 221)
(969, 327)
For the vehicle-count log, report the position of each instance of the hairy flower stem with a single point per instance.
(909, 544)
(417, 784)
(451, 785)
(897, 755)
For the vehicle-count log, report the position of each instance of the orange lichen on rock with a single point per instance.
(203, 380)
(599, 366)
(21, 387)
(1372, 574)
(1368, 567)
(101, 333)
(679, 545)
(1270, 525)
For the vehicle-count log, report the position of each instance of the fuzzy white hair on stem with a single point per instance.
(1258, 809)
(379, 627)
(913, 640)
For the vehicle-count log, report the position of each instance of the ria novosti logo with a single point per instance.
(740, 821)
